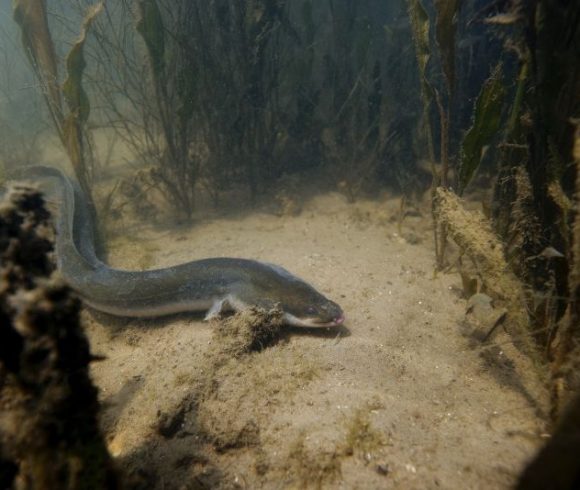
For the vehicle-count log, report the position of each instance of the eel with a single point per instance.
(212, 285)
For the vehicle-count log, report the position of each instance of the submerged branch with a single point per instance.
(473, 234)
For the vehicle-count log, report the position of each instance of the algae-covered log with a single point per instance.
(49, 437)
(473, 234)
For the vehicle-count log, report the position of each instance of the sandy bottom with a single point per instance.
(399, 398)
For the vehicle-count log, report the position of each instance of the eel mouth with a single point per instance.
(336, 322)
(314, 322)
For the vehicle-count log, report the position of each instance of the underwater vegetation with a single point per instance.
(49, 435)
(212, 96)
(526, 123)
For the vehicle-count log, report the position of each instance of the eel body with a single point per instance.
(210, 285)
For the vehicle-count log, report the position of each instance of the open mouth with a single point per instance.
(339, 320)
(335, 322)
(313, 322)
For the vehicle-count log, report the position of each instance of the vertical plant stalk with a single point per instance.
(31, 16)
(445, 29)
(73, 130)
(567, 357)
(440, 226)
(518, 99)
(444, 143)
(176, 172)
(39, 47)
(420, 28)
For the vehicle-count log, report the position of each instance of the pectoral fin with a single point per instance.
(217, 309)
(228, 304)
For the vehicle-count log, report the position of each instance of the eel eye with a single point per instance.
(311, 310)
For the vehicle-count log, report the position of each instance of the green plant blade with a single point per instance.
(486, 123)
(420, 30)
(445, 28)
(77, 99)
(74, 93)
(37, 41)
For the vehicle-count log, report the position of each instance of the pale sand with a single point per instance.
(400, 391)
